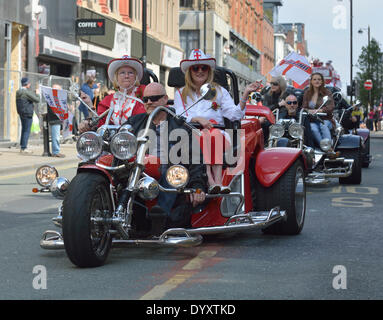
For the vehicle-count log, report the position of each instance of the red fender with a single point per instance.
(93, 167)
(260, 111)
(272, 163)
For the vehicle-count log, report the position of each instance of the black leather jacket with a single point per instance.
(197, 172)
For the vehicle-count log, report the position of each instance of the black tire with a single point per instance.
(356, 175)
(87, 244)
(366, 154)
(289, 193)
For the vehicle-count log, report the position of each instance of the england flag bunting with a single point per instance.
(294, 67)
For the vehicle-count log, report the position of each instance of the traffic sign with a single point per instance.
(368, 84)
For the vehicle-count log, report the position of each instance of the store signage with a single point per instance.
(90, 27)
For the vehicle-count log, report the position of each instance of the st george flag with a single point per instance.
(57, 101)
(294, 67)
(68, 126)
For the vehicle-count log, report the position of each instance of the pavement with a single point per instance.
(13, 162)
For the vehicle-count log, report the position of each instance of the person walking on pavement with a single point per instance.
(25, 98)
(87, 88)
(55, 124)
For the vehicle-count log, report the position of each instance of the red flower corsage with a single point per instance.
(215, 106)
(140, 92)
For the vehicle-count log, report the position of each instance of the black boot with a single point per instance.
(158, 216)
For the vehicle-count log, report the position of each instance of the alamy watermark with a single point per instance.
(40, 280)
(340, 17)
(340, 280)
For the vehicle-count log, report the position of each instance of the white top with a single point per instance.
(204, 108)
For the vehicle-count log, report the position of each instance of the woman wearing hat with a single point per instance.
(198, 70)
(125, 74)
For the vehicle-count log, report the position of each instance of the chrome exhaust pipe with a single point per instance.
(52, 240)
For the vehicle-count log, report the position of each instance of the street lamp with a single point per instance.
(368, 62)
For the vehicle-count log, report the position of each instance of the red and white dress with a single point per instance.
(214, 141)
(123, 106)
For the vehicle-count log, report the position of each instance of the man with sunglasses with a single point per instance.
(172, 210)
(292, 111)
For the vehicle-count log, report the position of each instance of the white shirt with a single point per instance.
(204, 109)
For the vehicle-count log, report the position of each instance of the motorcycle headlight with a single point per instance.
(148, 188)
(177, 176)
(45, 175)
(89, 145)
(59, 187)
(325, 145)
(296, 131)
(277, 131)
(123, 145)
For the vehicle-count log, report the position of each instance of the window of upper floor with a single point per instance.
(186, 3)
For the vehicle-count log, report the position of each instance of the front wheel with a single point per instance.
(87, 241)
(289, 193)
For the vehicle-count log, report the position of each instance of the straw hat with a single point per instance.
(197, 56)
(125, 61)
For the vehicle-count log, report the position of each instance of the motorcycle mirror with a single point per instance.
(207, 91)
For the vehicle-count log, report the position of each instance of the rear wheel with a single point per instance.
(87, 241)
(289, 193)
(356, 175)
(366, 154)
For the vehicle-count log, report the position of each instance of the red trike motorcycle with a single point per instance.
(107, 200)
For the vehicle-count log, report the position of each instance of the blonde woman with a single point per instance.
(198, 70)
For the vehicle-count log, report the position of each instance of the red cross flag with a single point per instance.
(56, 100)
(294, 67)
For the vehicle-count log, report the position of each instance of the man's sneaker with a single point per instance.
(58, 155)
(26, 151)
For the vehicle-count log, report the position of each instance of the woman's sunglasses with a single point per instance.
(152, 98)
(274, 83)
(291, 102)
(204, 68)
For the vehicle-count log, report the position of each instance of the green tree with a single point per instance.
(370, 63)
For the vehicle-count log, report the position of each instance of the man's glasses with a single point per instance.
(152, 98)
(204, 68)
(274, 83)
(292, 102)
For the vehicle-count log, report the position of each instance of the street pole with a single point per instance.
(369, 70)
(204, 26)
(144, 36)
(351, 58)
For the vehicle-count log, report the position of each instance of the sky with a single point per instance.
(327, 29)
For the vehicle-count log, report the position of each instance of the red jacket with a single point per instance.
(106, 102)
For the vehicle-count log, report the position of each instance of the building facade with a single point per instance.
(123, 35)
(17, 39)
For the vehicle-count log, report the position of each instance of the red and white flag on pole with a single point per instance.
(56, 100)
(294, 67)
(68, 125)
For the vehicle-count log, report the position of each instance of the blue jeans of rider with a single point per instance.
(55, 136)
(165, 200)
(26, 124)
(321, 130)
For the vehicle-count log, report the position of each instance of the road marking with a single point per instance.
(348, 202)
(188, 270)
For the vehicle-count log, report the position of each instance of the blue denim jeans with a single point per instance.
(321, 130)
(26, 124)
(55, 136)
(165, 200)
